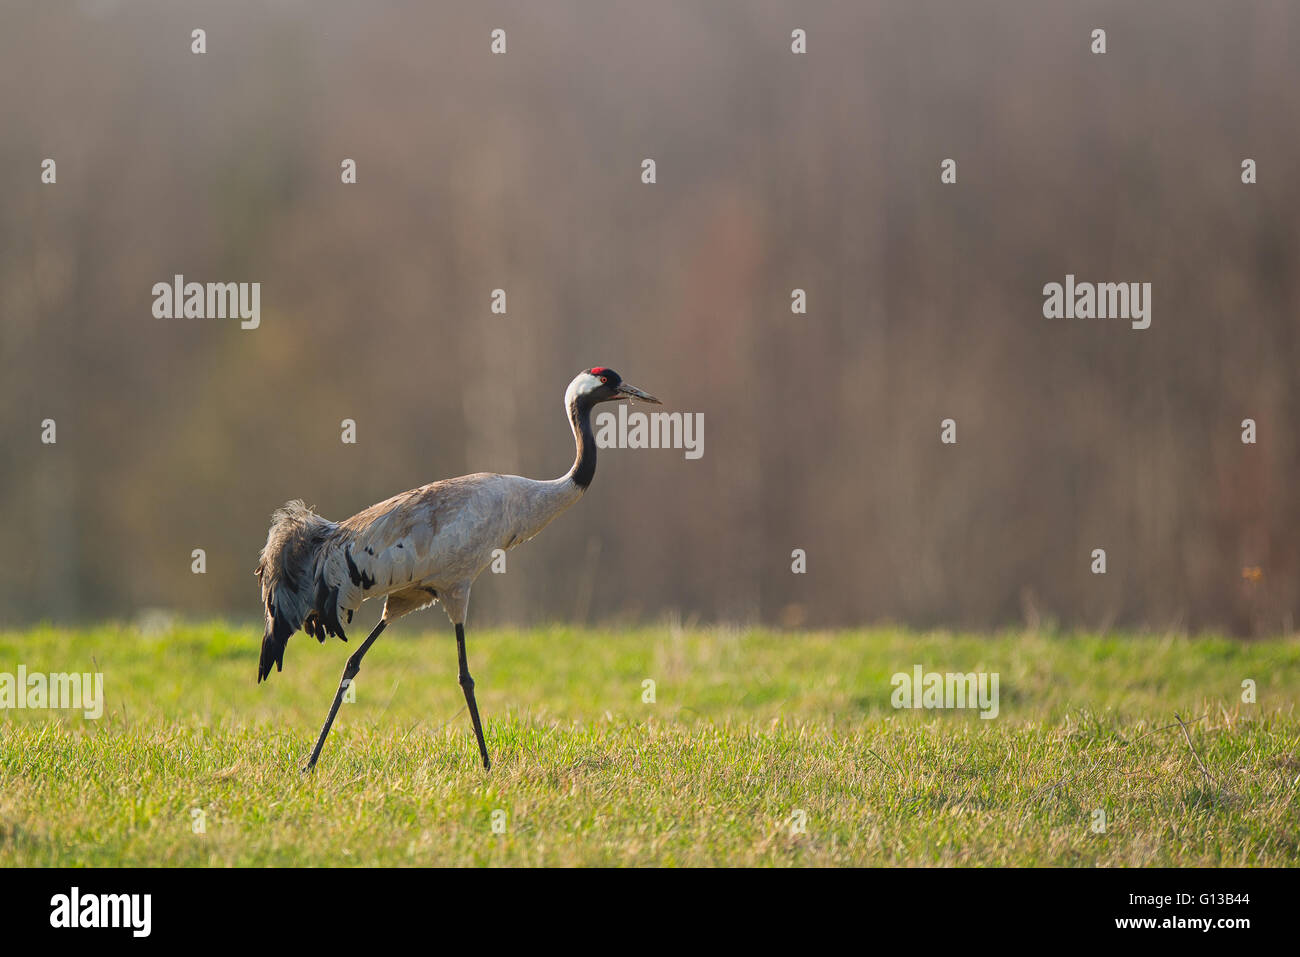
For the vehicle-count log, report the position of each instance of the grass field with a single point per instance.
(750, 733)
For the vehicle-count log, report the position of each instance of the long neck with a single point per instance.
(584, 464)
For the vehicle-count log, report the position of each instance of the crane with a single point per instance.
(423, 546)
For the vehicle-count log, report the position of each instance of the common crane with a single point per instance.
(422, 546)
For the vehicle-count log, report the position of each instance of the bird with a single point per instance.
(423, 546)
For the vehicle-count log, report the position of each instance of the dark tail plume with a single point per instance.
(287, 572)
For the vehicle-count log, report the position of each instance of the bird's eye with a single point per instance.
(604, 379)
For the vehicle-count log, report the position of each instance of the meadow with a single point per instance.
(758, 748)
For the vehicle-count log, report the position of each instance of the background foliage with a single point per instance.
(775, 171)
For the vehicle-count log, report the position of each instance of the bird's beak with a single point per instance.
(632, 392)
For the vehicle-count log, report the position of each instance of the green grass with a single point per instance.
(748, 727)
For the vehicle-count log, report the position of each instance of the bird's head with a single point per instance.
(600, 384)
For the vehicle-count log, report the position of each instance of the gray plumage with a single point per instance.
(428, 544)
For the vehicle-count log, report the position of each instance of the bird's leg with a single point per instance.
(349, 672)
(467, 685)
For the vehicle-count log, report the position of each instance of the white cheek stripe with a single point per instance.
(583, 384)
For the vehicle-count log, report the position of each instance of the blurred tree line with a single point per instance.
(775, 171)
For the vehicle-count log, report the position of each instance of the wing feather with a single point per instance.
(422, 535)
